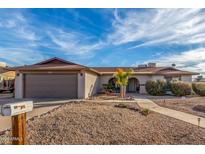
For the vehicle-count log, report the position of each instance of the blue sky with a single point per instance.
(104, 37)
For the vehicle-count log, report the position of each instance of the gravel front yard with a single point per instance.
(185, 105)
(102, 123)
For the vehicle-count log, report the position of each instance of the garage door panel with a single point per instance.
(51, 86)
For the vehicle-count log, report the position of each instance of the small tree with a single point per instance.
(122, 80)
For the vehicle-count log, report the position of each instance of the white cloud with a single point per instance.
(192, 60)
(20, 56)
(16, 24)
(156, 26)
(73, 43)
(24, 40)
(26, 33)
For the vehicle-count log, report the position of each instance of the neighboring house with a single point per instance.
(2, 70)
(5, 74)
(200, 79)
(57, 78)
(6, 78)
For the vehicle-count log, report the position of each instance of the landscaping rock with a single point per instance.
(128, 106)
(200, 108)
(102, 123)
(121, 105)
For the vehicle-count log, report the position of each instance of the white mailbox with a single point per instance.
(13, 109)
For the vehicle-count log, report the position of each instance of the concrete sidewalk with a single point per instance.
(192, 119)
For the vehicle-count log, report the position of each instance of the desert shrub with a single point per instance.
(180, 88)
(199, 88)
(145, 112)
(108, 87)
(130, 107)
(200, 108)
(156, 87)
(121, 105)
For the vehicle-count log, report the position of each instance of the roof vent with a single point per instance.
(142, 66)
(152, 64)
(173, 65)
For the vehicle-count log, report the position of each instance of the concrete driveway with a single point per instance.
(41, 106)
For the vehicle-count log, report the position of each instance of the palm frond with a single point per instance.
(122, 76)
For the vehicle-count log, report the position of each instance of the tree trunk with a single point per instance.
(124, 91)
(121, 91)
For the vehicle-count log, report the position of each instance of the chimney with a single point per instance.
(152, 64)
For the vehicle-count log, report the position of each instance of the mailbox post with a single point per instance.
(19, 129)
(17, 111)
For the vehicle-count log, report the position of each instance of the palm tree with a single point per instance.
(122, 80)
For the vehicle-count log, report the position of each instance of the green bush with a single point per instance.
(145, 112)
(156, 87)
(199, 88)
(180, 88)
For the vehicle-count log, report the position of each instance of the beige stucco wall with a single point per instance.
(19, 86)
(81, 85)
(157, 77)
(142, 80)
(187, 78)
(91, 84)
(104, 80)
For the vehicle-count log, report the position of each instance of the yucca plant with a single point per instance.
(122, 80)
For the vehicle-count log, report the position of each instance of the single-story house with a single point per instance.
(58, 78)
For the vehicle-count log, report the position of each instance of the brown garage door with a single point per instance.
(50, 86)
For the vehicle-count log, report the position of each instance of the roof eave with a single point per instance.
(140, 73)
(93, 70)
(191, 73)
